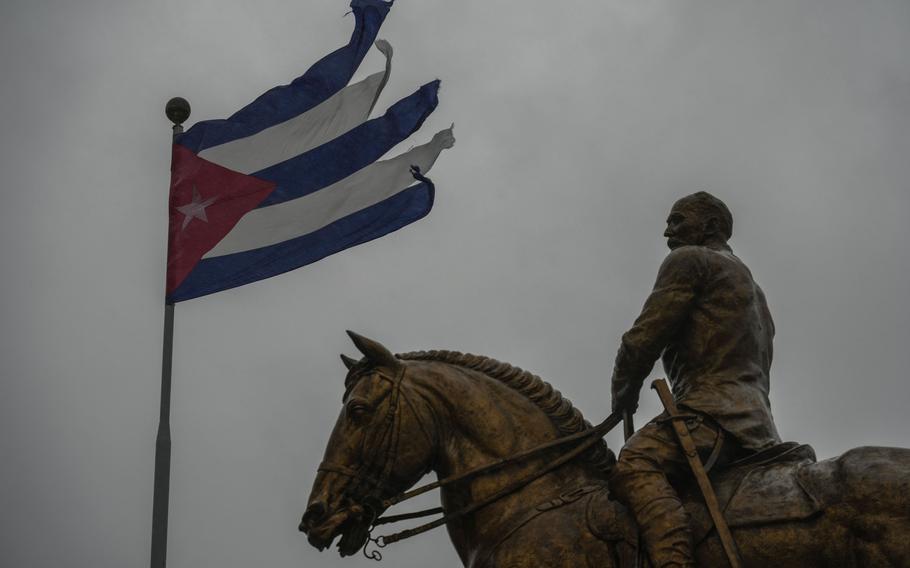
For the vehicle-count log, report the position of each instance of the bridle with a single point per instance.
(391, 422)
(366, 486)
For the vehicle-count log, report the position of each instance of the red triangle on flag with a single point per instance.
(207, 201)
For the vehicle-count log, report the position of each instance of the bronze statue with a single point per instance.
(473, 421)
(709, 322)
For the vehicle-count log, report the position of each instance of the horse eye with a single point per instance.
(357, 410)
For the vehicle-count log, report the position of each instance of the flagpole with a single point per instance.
(177, 110)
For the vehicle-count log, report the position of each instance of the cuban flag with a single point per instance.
(296, 175)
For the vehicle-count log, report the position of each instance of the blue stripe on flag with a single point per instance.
(322, 80)
(232, 270)
(359, 147)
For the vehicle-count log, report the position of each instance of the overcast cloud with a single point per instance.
(578, 124)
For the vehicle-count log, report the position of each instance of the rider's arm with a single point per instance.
(665, 310)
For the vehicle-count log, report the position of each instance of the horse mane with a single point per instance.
(560, 411)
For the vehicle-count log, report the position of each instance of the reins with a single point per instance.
(587, 437)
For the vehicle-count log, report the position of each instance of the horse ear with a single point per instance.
(374, 351)
(349, 362)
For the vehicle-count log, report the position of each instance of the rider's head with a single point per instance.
(698, 219)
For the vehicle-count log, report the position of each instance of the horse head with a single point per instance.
(381, 445)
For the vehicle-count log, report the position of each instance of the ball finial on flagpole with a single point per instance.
(177, 110)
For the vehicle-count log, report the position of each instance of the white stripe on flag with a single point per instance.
(368, 186)
(326, 121)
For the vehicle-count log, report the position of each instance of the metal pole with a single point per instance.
(163, 448)
(178, 110)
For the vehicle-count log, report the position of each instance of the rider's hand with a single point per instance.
(625, 394)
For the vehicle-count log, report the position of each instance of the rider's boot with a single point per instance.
(661, 518)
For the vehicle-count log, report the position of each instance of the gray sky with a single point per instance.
(578, 125)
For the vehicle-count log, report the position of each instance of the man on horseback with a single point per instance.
(709, 322)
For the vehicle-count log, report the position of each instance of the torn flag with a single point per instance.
(296, 175)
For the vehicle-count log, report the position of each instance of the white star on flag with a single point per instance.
(195, 209)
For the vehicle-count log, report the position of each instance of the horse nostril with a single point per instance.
(312, 514)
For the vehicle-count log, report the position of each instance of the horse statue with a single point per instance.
(514, 495)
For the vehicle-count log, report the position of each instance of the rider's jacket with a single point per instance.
(709, 322)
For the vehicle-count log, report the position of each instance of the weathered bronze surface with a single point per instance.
(456, 412)
(508, 503)
(709, 322)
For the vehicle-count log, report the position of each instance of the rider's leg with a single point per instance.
(641, 481)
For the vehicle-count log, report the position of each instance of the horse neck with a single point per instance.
(481, 420)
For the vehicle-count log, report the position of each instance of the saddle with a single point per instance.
(763, 488)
